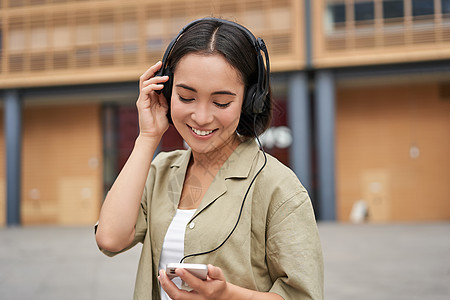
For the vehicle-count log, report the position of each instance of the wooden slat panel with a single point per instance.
(77, 39)
(405, 39)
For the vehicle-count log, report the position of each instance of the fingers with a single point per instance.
(151, 71)
(210, 288)
(215, 273)
(152, 106)
(166, 283)
(148, 82)
(153, 84)
(170, 288)
(149, 78)
(187, 277)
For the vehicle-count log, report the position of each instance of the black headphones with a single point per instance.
(255, 94)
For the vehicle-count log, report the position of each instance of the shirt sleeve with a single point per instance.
(294, 252)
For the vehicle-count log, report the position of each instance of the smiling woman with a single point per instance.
(223, 202)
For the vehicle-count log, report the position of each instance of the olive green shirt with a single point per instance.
(275, 246)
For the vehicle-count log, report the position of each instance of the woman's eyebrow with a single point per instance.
(224, 93)
(184, 86)
(181, 85)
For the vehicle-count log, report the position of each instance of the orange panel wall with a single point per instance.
(378, 133)
(62, 164)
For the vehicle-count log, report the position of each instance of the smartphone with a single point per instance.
(198, 270)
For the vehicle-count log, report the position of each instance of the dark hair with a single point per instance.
(211, 36)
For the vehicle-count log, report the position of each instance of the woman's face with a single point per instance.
(206, 101)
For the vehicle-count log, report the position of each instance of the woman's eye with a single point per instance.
(185, 99)
(222, 105)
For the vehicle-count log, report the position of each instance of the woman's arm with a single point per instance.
(119, 212)
(120, 209)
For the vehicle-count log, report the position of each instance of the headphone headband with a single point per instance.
(247, 32)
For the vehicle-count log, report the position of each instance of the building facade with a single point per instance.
(361, 90)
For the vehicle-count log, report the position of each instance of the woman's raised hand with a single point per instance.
(152, 106)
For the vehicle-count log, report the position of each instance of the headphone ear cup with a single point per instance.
(258, 102)
(254, 103)
(167, 89)
(249, 99)
(167, 92)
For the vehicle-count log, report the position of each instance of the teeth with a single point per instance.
(201, 132)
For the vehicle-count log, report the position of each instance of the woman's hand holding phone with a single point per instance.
(213, 287)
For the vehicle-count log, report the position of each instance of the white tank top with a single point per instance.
(173, 246)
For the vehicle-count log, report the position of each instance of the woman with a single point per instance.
(223, 202)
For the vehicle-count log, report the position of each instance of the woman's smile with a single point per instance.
(201, 132)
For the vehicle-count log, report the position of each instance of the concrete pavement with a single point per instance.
(383, 262)
(391, 261)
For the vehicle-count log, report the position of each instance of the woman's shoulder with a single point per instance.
(169, 158)
(280, 179)
(277, 170)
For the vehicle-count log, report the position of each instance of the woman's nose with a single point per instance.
(202, 114)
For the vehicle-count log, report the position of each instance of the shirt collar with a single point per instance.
(238, 165)
(183, 159)
(240, 162)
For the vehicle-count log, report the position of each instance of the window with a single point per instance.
(155, 44)
(281, 18)
(38, 36)
(130, 29)
(422, 7)
(61, 36)
(445, 4)
(393, 9)
(254, 17)
(336, 14)
(83, 34)
(154, 32)
(107, 31)
(16, 39)
(364, 11)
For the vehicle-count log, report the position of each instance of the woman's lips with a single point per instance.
(201, 132)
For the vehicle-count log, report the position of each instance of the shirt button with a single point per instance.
(192, 225)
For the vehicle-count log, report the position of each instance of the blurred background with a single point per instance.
(361, 90)
(362, 115)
